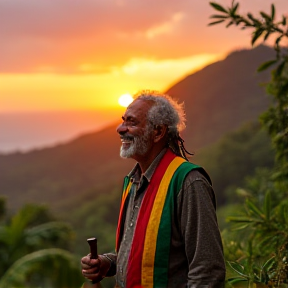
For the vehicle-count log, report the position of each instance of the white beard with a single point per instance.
(139, 145)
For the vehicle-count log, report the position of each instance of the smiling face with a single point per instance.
(136, 137)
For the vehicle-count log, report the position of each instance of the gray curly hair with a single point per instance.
(166, 111)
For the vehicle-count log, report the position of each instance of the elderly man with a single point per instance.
(167, 233)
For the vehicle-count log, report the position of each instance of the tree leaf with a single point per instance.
(255, 21)
(216, 22)
(284, 20)
(250, 16)
(241, 219)
(283, 90)
(254, 38)
(265, 65)
(239, 269)
(218, 7)
(254, 209)
(278, 39)
(257, 34)
(238, 21)
(267, 205)
(229, 24)
(264, 243)
(272, 11)
(243, 193)
(279, 69)
(236, 280)
(283, 212)
(267, 35)
(266, 17)
(240, 227)
(219, 16)
(234, 9)
(268, 263)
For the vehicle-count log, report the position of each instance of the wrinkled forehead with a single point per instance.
(139, 108)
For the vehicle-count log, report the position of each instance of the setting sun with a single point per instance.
(125, 99)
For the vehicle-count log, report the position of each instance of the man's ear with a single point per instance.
(159, 132)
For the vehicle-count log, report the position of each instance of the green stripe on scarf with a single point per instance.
(164, 233)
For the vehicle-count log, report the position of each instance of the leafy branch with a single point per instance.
(268, 238)
(275, 119)
(265, 25)
(265, 225)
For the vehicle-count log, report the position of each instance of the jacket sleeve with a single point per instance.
(112, 257)
(200, 232)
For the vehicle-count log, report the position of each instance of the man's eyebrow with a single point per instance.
(128, 118)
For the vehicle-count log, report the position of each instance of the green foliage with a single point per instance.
(265, 242)
(2, 207)
(54, 267)
(96, 218)
(28, 251)
(263, 259)
(238, 153)
(276, 118)
(264, 26)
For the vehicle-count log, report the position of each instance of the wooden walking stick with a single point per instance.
(93, 247)
(93, 255)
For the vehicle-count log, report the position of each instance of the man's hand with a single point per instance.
(95, 269)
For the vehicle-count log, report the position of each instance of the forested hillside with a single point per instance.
(81, 180)
(224, 95)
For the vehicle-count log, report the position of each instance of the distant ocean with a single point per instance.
(25, 131)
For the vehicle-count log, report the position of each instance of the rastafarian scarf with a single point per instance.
(149, 256)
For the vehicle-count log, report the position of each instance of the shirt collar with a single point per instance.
(135, 173)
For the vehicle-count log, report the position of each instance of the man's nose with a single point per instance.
(121, 129)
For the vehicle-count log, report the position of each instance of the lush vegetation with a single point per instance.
(259, 254)
(34, 250)
(238, 153)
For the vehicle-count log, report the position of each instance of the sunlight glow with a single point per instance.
(125, 99)
(50, 91)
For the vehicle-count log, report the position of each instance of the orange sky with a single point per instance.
(72, 54)
(34, 91)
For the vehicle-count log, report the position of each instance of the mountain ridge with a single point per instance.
(227, 95)
(228, 92)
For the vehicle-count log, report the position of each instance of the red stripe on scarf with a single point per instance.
(135, 258)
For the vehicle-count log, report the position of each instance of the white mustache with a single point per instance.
(127, 138)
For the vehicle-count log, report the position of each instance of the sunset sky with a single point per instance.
(84, 54)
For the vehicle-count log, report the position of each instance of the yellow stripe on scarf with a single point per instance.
(126, 191)
(153, 224)
(124, 196)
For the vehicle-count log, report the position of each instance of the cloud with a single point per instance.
(63, 19)
(61, 35)
(165, 27)
(149, 68)
(87, 36)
